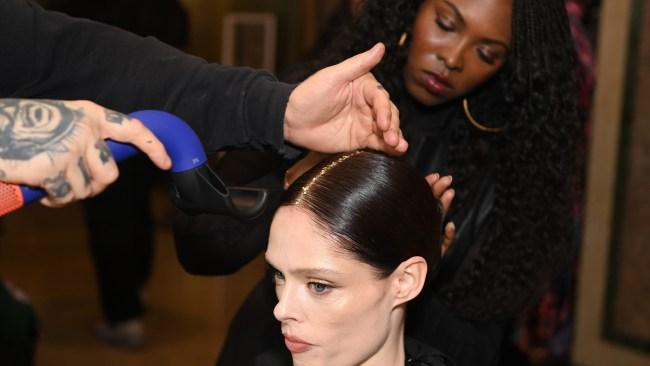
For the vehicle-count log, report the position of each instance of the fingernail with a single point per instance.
(436, 176)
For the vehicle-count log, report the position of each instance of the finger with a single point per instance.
(402, 146)
(446, 199)
(102, 166)
(440, 186)
(432, 179)
(80, 179)
(448, 237)
(360, 64)
(129, 130)
(58, 189)
(392, 134)
(378, 99)
(375, 142)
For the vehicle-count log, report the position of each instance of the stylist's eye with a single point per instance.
(486, 56)
(319, 287)
(445, 25)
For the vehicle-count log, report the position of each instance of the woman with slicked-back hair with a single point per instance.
(354, 241)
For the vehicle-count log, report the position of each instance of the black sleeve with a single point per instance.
(466, 342)
(49, 55)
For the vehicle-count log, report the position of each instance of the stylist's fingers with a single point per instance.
(122, 128)
(58, 188)
(378, 99)
(386, 115)
(440, 187)
(449, 235)
(446, 198)
(360, 64)
(101, 165)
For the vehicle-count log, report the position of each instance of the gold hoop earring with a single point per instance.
(474, 122)
(402, 39)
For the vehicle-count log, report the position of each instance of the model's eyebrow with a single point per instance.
(306, 272)
(462, 20)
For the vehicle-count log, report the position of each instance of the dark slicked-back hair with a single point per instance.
(375, 207)
(537, 155)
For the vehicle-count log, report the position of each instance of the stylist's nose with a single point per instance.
(287, 304)
(453, 56)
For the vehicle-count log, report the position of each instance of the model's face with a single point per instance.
(334, 309)
(456, 45)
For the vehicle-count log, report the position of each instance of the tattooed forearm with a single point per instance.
(115, 117)
(84, 171)
(105, 154)
(32, 127)
(57, 187)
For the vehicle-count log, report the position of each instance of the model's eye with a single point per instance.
(445, 24)
(278, 277)
(319, 287)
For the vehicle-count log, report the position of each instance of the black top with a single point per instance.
(416, 354)
(50, 55)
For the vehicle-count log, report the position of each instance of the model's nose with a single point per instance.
(286, 307)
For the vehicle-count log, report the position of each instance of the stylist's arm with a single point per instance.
(342, 108)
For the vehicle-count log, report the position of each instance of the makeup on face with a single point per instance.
(456, 45)
(328, 301)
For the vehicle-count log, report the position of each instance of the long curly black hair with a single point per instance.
(537, 155)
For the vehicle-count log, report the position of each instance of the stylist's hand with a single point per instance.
(59, 146)
(343, 108)
(441, 189)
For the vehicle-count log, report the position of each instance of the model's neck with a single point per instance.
(392, 352)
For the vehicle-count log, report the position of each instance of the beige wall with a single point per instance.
(590, 347)
(298, 24)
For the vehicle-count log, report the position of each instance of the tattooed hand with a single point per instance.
(59, 146)
(344, 108)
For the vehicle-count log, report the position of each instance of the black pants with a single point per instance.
(120, 234)
(18, 330)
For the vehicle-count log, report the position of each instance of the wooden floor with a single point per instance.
(43, 252)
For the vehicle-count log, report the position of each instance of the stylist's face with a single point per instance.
(456, 45)
(334, 309)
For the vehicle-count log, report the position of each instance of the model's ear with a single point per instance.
(408, 279)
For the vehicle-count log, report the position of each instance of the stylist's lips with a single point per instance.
(435, 83)
(296, 345)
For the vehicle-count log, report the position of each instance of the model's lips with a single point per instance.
(435, 83)
(296, 345)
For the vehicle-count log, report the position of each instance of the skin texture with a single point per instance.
(59, 146)
(464, 42)
(326, 296)
(345, 103)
